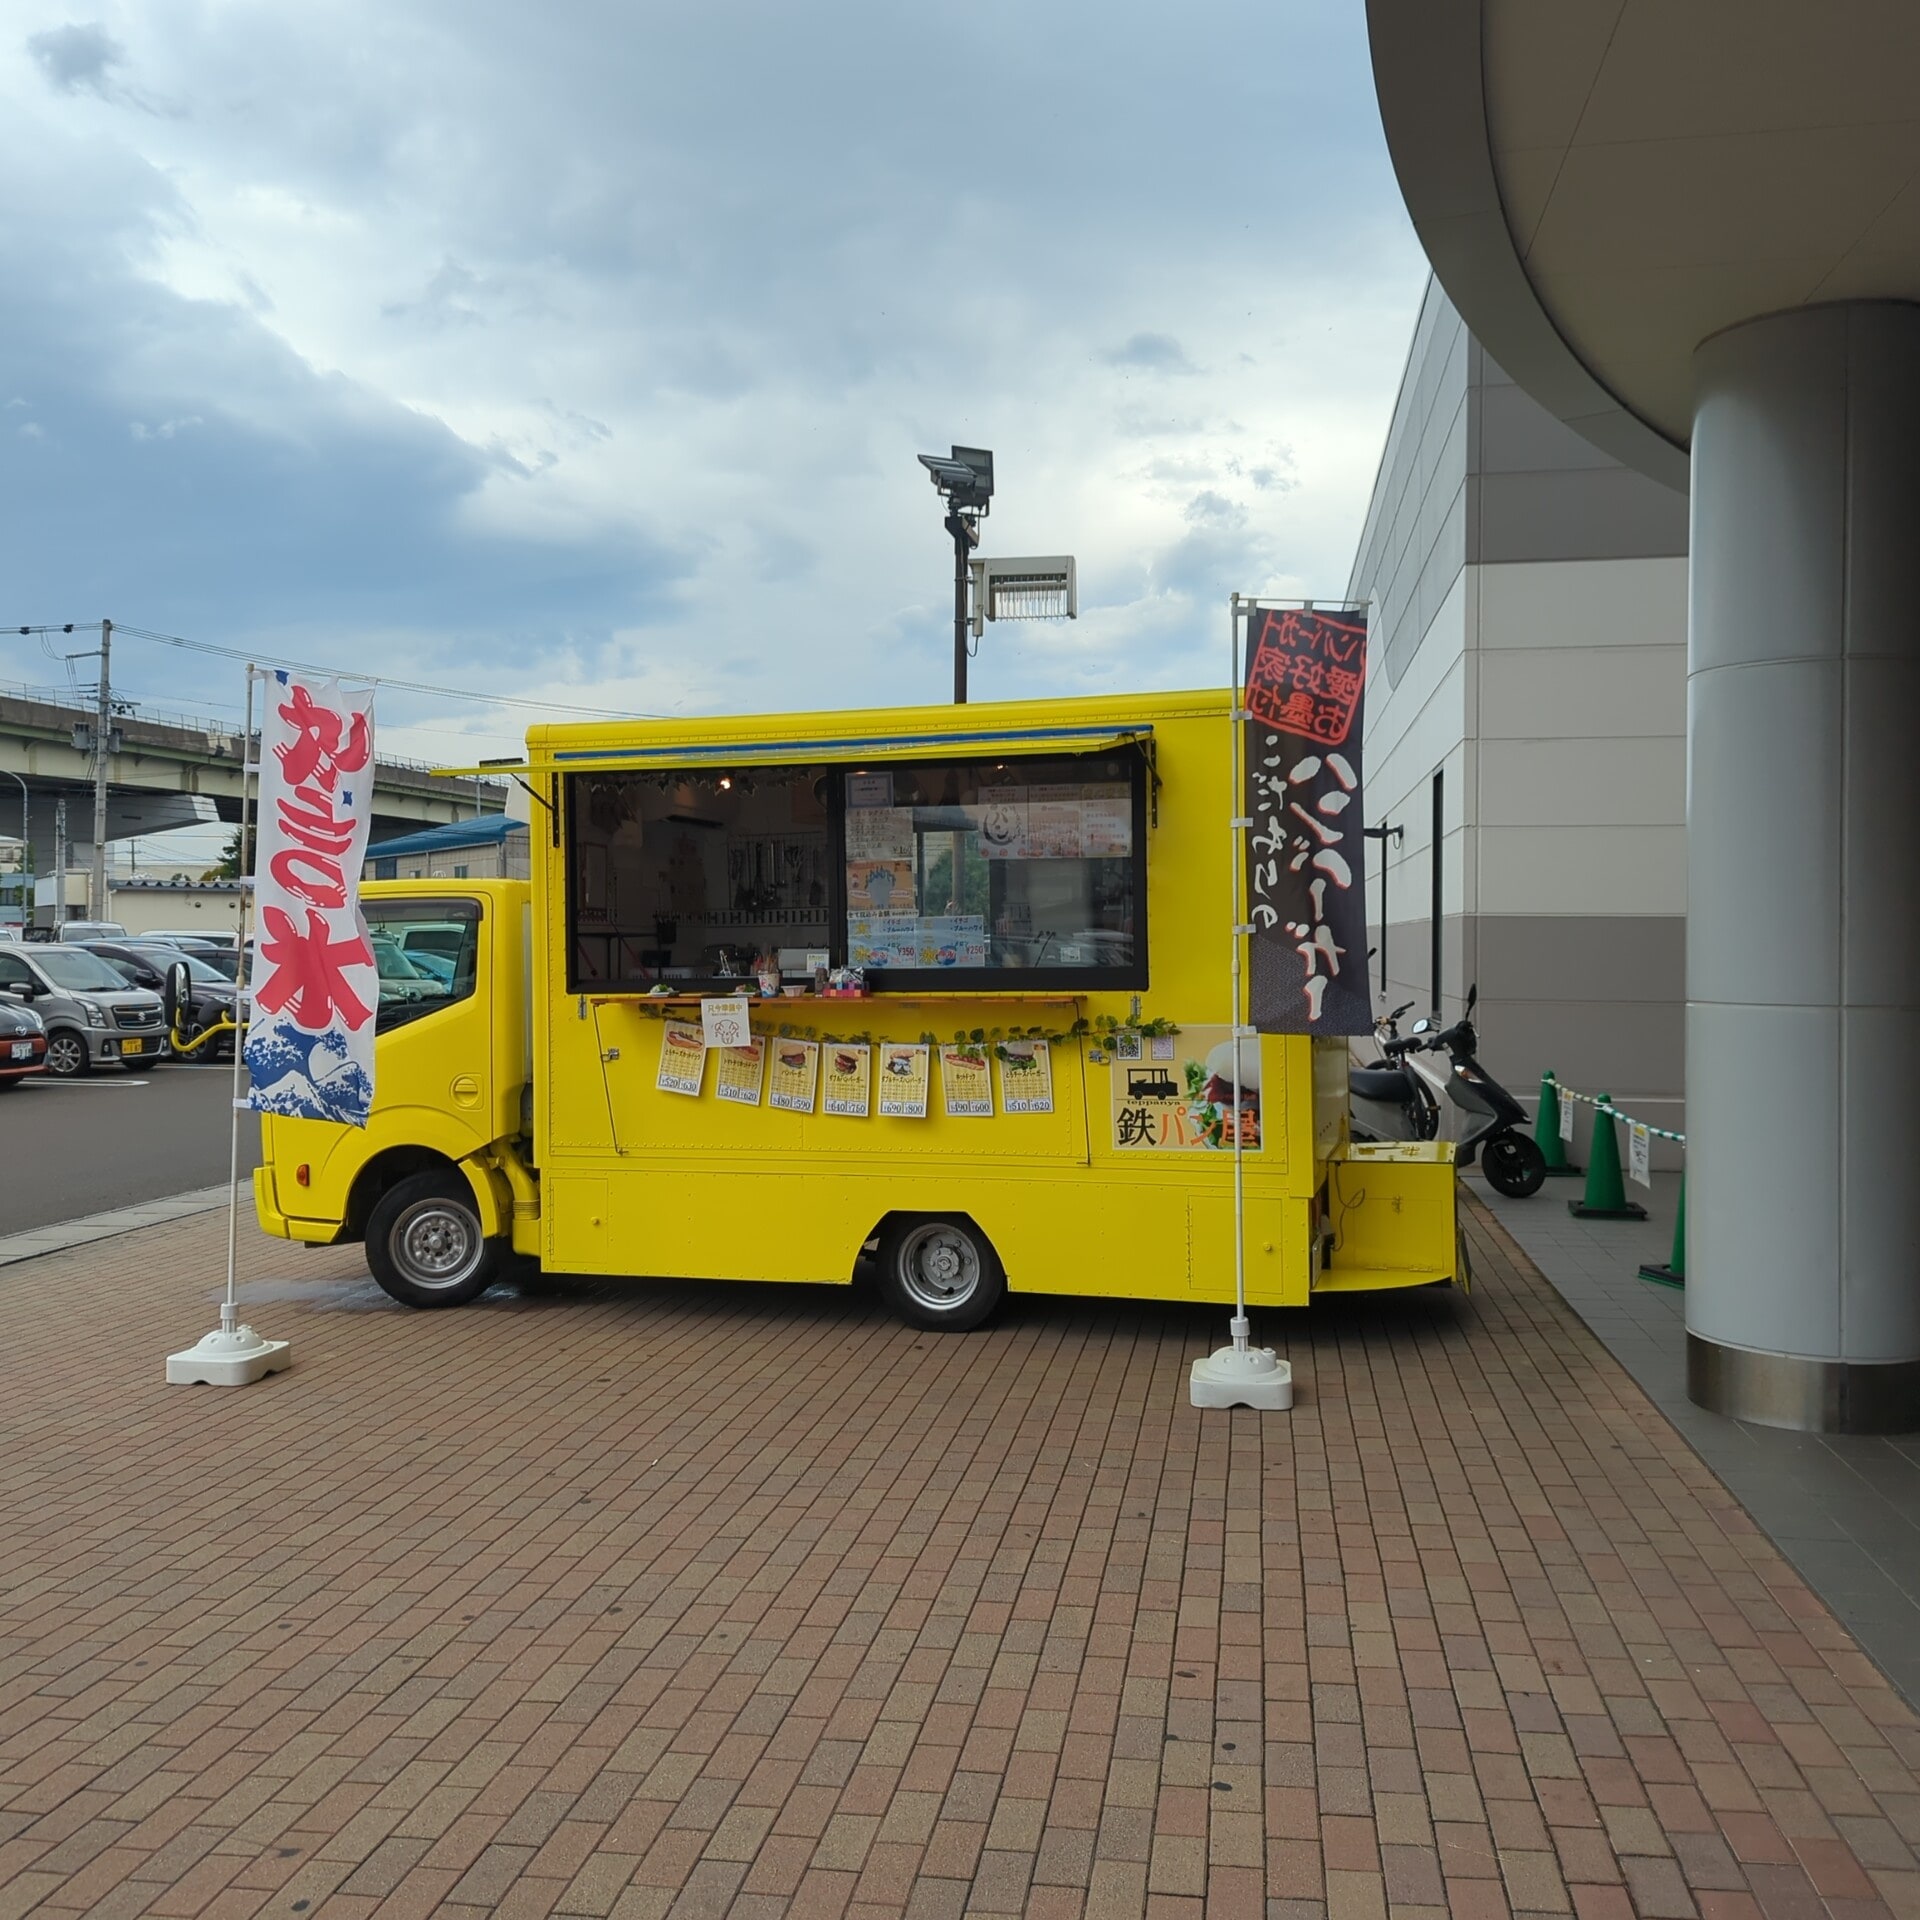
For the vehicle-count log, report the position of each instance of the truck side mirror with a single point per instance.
(176, 992)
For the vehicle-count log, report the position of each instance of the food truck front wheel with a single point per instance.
(939, 1270)
(425, 1245)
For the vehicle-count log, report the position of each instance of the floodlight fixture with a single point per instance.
(1042, 588)
(964, 478)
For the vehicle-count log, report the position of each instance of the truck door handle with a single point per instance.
(466, 1089)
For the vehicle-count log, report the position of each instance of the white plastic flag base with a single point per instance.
(228, 1357)
(1242, 1377)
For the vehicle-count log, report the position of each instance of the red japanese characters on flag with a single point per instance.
(315, 987)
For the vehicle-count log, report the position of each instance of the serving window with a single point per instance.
(995, 874)
(990, 874)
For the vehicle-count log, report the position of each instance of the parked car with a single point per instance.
(144, 963)
(76, 933)
(23, 1044)
(92, 1016)
(193, 942)
(224, 960)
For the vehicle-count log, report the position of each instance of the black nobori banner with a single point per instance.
(1306, 855)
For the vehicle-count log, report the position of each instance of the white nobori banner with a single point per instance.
(315, 988)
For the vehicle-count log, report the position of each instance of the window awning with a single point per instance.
(841, 750)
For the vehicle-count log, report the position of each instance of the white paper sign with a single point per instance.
(1566, 1116)
(315, 985)
(726, 1022)
(1639, 1154)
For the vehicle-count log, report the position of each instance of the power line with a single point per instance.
(179, 641)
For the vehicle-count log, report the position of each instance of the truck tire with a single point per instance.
(939, 1271)
(425, 1245)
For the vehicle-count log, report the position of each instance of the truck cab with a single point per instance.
(445, 1147)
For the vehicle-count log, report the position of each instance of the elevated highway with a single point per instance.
(174, 770)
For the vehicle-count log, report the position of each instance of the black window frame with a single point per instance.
(987, 982)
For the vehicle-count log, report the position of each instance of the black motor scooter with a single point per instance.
(1512, 1162)
(1495, 1120)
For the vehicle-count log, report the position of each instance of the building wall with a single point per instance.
(176, 910)
(508, 860)
(1529, 604)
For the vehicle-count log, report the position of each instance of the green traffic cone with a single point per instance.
(1546, 1131)
(1674, 1273)
(1606, 1194)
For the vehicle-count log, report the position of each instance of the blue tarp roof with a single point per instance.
(488, 830)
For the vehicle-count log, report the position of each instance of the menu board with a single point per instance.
(1057, 822)
(1106, 825)
(848, 1078)
(683, 1058)
(739, 1073)
(1026, 1077)
(965, 1088)
(904, 1073)
(880, 886)
(952, 940)
(880, 833)
(796, 1075)
(883, 940)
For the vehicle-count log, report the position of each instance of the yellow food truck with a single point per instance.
(999, 1052)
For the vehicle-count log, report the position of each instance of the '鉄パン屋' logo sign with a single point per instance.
(315, 987)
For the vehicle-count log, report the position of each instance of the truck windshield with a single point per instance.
(410, 990)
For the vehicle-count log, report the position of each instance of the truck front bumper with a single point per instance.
(317, 1233)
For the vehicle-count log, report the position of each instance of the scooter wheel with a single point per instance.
(1513, 1165)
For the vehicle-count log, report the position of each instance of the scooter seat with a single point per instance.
(1388, 1084)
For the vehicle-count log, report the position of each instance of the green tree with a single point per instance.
(231, 866)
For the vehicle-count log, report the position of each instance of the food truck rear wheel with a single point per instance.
(939, 1270)
(425, 1244)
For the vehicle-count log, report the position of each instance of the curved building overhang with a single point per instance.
(1602, 184)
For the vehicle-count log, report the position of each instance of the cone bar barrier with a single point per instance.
(233, 1355)
(1239, 1375)
(1546, 1131)
(1606, 1194)
(1674, 1273)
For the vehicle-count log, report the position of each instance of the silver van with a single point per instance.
(92, 1017)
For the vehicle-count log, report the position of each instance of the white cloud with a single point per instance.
(585, 352)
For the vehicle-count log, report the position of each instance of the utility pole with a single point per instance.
(102, 740)
(59, 861)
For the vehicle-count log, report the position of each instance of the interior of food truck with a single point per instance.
(974, 871)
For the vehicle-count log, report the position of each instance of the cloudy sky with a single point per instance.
(582, 352)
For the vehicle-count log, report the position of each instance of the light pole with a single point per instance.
(965, 483)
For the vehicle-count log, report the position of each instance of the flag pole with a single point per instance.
(1239, 1374)
(245, 865)
(233, 1355)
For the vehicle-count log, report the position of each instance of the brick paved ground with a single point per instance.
(698, 1601)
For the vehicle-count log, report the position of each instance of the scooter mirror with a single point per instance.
(1422, 1026)
(1473, 997)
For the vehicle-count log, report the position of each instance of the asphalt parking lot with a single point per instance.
(110, 1139)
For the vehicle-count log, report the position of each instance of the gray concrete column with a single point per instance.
(1803, 850)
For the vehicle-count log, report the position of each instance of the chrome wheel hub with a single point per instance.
(436, 1244)
(939, 1266)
